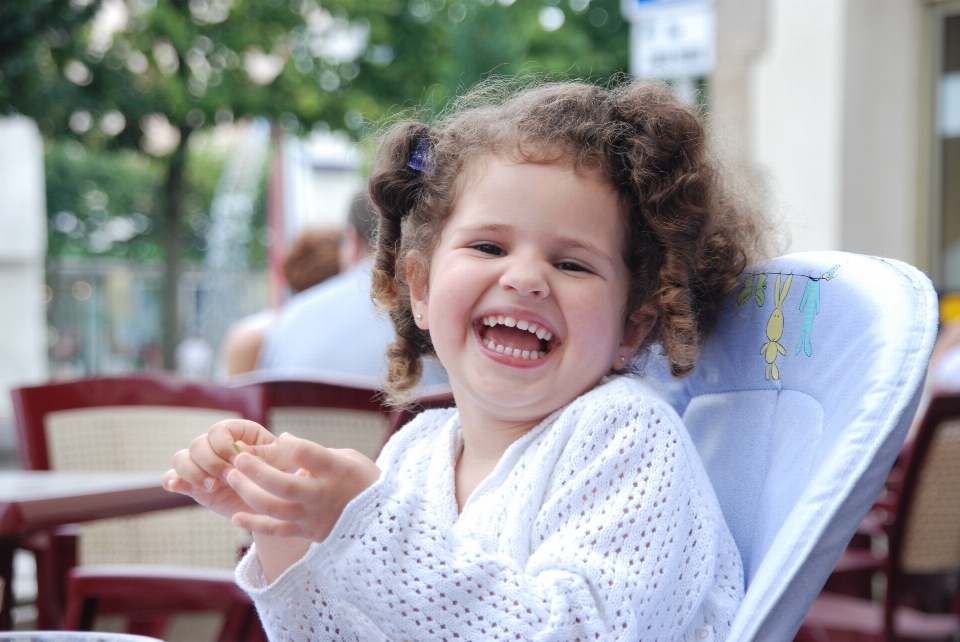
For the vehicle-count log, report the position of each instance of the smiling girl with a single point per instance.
(536, 242)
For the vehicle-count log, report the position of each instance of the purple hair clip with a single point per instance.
(420, 157)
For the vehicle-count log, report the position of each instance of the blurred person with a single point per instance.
(333, 327)
(314, 258)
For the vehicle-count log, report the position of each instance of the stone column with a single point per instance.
(23, 247)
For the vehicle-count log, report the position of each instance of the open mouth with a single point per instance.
(515, 337)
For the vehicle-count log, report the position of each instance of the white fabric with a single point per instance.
(598, 524)
(331, 326)
(797, 461)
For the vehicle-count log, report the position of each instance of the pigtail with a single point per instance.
(680, 206)
(396, 190)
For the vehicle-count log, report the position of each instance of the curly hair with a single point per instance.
(688, 235)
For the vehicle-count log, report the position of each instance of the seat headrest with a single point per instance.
(800, 401)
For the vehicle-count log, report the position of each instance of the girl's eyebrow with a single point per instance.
(567, 243)
(564, 243)
(489, 227)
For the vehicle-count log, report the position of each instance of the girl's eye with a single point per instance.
(488, 248)
(568, 266)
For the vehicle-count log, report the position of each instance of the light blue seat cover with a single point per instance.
(798, 406)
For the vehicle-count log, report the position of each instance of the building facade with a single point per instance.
(850, 110)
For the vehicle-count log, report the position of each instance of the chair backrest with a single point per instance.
(336, 416)
(924, 538)
(37, 406)
(133, 423)
(333, 409)
(798, 407)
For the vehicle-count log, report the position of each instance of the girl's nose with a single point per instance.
(526, 276)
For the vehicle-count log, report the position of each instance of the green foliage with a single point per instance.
(103, 203)
(187, 62)
(343, 63)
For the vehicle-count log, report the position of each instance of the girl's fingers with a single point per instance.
(224, 434)
(261, 495)
(209, 458)
(267, 453)
(309, 455)
(297, 486)
(266, 525)
(172, 482)
(191, 472)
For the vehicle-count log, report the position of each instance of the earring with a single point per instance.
(622, 358)
(419, 317)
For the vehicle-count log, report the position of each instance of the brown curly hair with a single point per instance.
(688, 236)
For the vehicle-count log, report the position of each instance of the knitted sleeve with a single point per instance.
(301, 606)
(622, 547)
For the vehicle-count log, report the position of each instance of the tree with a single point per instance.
(145, 74)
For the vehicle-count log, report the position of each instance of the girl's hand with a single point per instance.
(300, 489)
(200, 471)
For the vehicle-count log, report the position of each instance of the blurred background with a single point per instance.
(159, 157)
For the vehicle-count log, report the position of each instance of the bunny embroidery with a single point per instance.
(775, 329)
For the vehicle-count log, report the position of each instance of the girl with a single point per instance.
(536, 242)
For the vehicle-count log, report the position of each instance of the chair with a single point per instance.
(331, 414)
(923, 561)
(133, 422)
(148, 594)
(798, 406)
(335, 410)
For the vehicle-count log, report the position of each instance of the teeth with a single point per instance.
(514, 352)
(522, 324)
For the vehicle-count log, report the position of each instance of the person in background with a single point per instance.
(314, 258)
(333, 327)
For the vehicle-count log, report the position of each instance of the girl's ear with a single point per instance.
(637, 328)
(418, 278)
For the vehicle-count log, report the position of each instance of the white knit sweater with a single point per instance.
(598, 524)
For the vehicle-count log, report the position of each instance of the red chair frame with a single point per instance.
(56, 551)
(923, 591)
(32, 404)
(286, 393)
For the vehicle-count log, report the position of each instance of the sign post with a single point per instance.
(672, 40)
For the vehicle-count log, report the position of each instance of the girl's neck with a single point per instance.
(484, 440)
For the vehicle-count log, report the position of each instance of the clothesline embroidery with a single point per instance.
(755, 284)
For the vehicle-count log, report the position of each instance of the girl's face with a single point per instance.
(527, 289)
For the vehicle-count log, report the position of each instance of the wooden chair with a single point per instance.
(337, 413)
(133, 422)
(922, 566)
